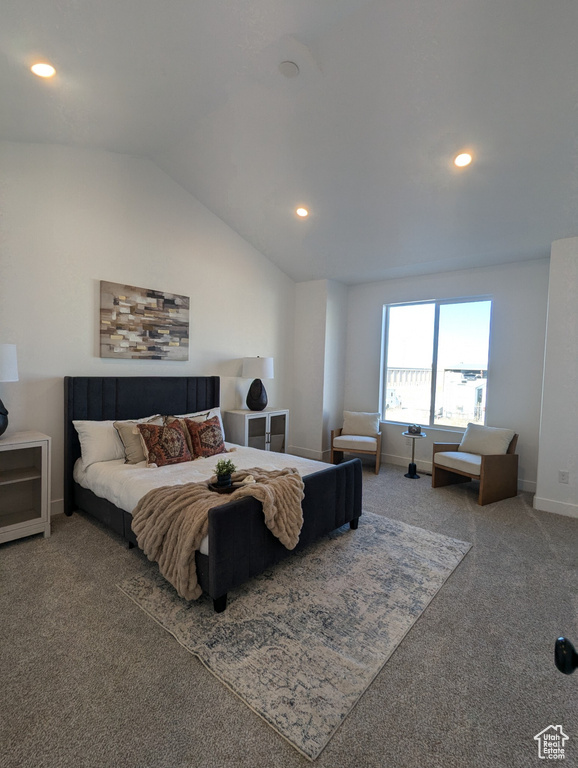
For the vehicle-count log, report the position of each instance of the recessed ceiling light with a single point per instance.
(302, 212)
(289, 69)
(463, 159)
(43, 70)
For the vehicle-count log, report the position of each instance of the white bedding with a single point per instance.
(125, 484)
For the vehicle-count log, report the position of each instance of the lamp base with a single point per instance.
(3, 418)
(256, 396)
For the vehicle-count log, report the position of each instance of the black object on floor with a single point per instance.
(565, 656)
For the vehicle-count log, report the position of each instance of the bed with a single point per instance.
(239, 544)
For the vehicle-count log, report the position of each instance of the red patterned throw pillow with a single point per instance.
(165, 444)
(206, 437)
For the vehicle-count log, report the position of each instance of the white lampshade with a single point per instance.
(8, 363)
(258, 368)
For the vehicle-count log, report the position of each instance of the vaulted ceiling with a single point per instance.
(388, 92)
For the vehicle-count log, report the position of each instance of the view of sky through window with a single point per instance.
(460, 378)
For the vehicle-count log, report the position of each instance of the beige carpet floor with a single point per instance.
(301, 643)
(89, 681)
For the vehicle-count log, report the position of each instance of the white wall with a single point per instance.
(334, 384)
(559, 423)
(73, 217)
(519, 293)
(308, 369)
(320, 332)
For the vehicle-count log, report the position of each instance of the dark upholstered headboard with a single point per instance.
(99, 398)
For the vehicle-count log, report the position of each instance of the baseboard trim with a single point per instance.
(56, 507)
(305, 453)
(403, 461)
(557, 507)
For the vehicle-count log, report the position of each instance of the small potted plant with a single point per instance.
(223, 470)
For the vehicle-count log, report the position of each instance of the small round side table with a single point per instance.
(412, 469)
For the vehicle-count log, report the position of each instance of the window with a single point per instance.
(436, 362)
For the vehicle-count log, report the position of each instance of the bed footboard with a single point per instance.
(241, 546)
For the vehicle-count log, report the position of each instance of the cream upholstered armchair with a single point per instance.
(359, 434)
(485, 454)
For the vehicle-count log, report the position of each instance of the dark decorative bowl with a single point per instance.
(224, 488)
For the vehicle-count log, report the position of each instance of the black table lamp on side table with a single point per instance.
(257, 368)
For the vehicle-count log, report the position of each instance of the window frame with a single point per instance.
(383, 366)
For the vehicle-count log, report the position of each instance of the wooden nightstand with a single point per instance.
(266, 429)
(24, 485)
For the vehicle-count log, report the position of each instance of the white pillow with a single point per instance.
(131, 438)
(355, 423)
(486, 441)
(99, 441)
(203, 416)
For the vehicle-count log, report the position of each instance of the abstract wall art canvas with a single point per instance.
(142, 323)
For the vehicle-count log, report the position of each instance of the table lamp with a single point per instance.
(8, 372)
(257, 368)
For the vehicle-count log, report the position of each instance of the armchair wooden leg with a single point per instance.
(498, 478)
(336, 456)
(441, 477)
(491, 491)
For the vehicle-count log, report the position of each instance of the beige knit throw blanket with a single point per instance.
(170, 522)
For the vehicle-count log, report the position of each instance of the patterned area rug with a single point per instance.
(303, 641)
